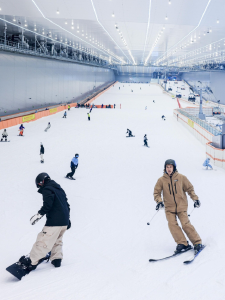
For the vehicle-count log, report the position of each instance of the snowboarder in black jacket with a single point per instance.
(57, 211)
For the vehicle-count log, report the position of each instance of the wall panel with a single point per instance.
(45, 81)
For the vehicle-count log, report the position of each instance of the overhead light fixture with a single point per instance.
(57, 12)
(14, 20)
(25, 25)
(72, 27)
(217, 21)
(66, 23)
(169, 2)
(0, 8)
(166, 18)
(113, 15)
(78, 31)
(35, 29)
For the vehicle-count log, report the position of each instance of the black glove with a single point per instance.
(160, 205)
(68, 227)
(197, 204)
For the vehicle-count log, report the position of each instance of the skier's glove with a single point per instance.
(68, 227)
(160, 205)
(35, 219)
(197, 204)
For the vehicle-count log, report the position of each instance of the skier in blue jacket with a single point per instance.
(73, 166)
(207, 164)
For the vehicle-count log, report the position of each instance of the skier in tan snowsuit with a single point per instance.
(174, 187)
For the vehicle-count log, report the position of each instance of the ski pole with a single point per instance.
(191, 212)
(153, 217)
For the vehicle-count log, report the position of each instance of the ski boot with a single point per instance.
(56, 263)
(198, 247)
(182, 248)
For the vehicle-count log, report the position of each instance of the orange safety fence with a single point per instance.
(91, 100)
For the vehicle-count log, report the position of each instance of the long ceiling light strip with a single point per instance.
(184, 56)
(189, 32)
(73, 34)
(106, 30)
(146, 37)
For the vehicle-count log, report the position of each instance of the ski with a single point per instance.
(175, 254)
(4, 141)
(186, 262)
(131, 136)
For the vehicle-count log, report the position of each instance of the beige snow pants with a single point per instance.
(176, 231)
(42, 157)
(50, 239)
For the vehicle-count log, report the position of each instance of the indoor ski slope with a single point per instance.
(107, 249)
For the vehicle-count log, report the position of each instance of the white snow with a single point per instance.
(107, 249)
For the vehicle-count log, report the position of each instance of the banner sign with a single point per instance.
(191, 123)
(28, 118)
(53, 110)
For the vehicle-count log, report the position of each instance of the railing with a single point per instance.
(24, 48)
(200, 122)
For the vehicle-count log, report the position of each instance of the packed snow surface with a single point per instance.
(107, 249)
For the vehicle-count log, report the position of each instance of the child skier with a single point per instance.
(48, 127)
(207, 164)
(4, 135)
(42, 151)
(65, 114)
(21, 128)
(145, 140)
(57, 211)
(73, 166)
(68, 107)
(163, 118)
(174, 187)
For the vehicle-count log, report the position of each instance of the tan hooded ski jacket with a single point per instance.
(174, 192)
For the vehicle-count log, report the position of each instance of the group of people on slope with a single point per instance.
(129, 132)
(172, 185)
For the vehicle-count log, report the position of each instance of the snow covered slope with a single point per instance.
(107, 249)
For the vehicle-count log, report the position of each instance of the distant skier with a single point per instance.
(73, 166)
(57, 211)
(21, 128)
(114, 106)
(102, 106)
(163, 118)
(145, 140)
(119, 88)
(4, 135)
(146, 107)
(89, 117)
(68, 107)
(42, 151)
(129, 132)
(207, 164)
(174, 187)
(153, 101)
(140, 88)
(65, 114)
(48, 127)
(90, 109)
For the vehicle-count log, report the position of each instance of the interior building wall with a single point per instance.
(215, 80)
(133, 78)
(28, 82)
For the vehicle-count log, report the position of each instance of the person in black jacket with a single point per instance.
(42, 151)
(57, 211)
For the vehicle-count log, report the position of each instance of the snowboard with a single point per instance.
(19, 271)
(70, 178)
(20, 135)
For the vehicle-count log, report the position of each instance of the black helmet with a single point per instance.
(170, 162)
(41, 178)
(76, 155)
